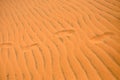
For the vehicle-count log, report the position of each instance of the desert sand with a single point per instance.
(59, 39)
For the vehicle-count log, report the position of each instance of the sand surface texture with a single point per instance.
(59, 39)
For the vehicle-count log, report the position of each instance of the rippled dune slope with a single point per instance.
(59, 39)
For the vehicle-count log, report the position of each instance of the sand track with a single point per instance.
(59, 40)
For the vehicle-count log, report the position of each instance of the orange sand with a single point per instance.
(59, 39)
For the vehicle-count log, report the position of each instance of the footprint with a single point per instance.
(101, 37)
(65, 32)
(7, 44)
(29, 46)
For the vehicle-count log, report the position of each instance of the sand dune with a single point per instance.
(59, 39)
